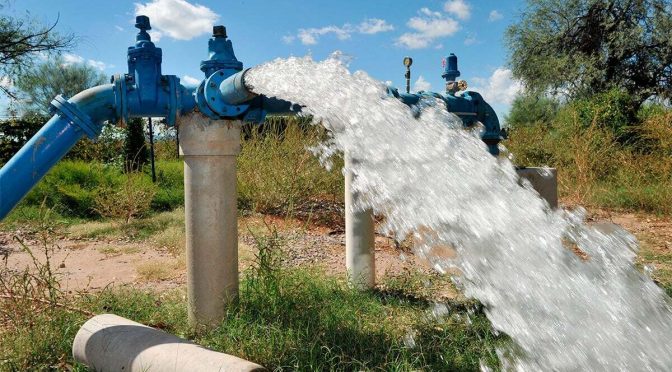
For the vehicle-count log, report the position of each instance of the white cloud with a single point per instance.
(190, 80)
(458, 8)
(288, 39)
(422, 84)
(97, 64)
(500, 87)
(155, 35)
(119, 28)
(71, 59)
(428, 27)
(429, 13)
(495, 16)
(310, 36)
(374, 26)
(178, 19)
(471, 39)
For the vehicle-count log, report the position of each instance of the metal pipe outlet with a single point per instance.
(210, 148)
(360, 259)
(111, 343)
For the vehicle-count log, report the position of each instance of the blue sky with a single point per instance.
(376, 34)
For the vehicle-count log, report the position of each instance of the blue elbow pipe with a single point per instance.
(82, 115)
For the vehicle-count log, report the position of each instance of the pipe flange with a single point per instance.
(76, 116)
(209, 91)
(120, 88)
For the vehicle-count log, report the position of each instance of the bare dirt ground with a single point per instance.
(92, 264)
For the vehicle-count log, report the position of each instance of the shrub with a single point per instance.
(135, 150)
(170, 182)
(613, 110)
(277, 173)
(595, 164)
(130, 199)
(71, 187)
(528, 110)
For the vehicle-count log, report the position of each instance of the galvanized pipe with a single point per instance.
(111, 343)
(209, 148)
(360, 260)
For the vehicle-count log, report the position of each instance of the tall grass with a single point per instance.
(595, 166)
(276, 174)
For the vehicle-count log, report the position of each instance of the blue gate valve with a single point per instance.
(143, 91)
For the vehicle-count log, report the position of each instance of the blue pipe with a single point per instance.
(82, 115)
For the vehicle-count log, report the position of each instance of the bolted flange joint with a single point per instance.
(71, 112)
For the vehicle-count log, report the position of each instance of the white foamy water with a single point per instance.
(433, 179)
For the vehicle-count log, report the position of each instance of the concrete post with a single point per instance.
(544, 181)
(360, 260)
(111, 343)
(209, 148)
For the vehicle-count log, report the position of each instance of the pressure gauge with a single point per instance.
(408, 61)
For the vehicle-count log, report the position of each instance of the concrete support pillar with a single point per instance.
(544, 180)
(111, 343)
(360, 260)
(209, 148)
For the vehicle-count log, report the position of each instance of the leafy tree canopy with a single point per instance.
(583, 47)
(21, 40)
(41, 83)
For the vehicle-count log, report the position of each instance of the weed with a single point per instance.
(131, 199)
(158, 271)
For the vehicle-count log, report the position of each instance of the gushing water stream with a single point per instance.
(435, 180)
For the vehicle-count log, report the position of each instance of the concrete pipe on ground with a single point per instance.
(111, 343)
(360, 259)
(210, 148)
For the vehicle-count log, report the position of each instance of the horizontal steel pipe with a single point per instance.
(234, 90)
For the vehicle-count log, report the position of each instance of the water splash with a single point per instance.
(436, 181)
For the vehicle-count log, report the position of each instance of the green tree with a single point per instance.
(41, 83)
(15, 132)
(531, 109)
(135, 148)
(21, 40)
(583, 47)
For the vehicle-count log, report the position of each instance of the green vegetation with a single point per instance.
(276, 174)
(603, 157)
(585, 47)
(39, 84)
(285, 319)
(136, 154)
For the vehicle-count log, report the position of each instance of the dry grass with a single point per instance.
(159, 271)
(172, 239)
(278, 174)
(595, 169)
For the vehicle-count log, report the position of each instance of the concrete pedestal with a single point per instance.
(360, 259)
(210, 148)
(544, 180)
